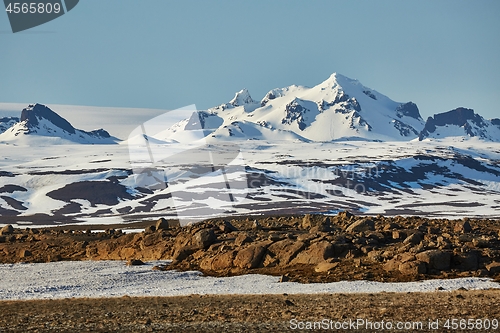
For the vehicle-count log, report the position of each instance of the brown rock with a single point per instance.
(325, 266)
(463, 226)
(161, 224)
(361, 225)
(182, 253)
(316, 253)
(256, 225)
(135, 262)
(414, 238)
(307, 221)
(204, 238)
(227, 227)
(25, 253)
(341, 249)
(220, 261)
(493, 268)
(7, 230)
(149, 229)
(250, 257)
(345, 215)
(405, 257)
(435, 259)
(466, 261)
(242, 239)
(392, 265)
(286, 250)
(412, 268)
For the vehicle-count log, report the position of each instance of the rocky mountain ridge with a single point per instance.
(39, 120)
(337, 109)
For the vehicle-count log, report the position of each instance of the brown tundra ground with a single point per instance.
(308, 249)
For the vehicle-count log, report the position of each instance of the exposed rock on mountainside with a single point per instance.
(337, 108)
(39, 120)
(7, 122)
(461, 122)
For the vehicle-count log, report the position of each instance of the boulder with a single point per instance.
(414, 238)
(412, 268)
(361, 225)
(307, 221)
(250, 257)
(316, 253)
(23, 253)
(345, 215)
(161, 224)
(221, 261)
(493, 268)
(286, 250)
(435, 259)
(462, 226)
(326, 266)
(392, 265)
(7, 230)
(242, 239)
(204, 238)
(135, 262)
(227, 227)
(466, 261)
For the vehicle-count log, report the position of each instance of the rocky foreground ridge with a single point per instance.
(310, 248)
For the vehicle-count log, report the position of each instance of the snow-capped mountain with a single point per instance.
(38, 120)
(7, 122)
(461, 122)
(335, 109)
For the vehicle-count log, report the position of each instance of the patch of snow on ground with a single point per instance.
(115, 279)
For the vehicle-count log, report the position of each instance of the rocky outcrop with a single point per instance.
(409, 109)
(300, 248)
(470, 124)
(35, 112)
(38, 119)
(7, 122)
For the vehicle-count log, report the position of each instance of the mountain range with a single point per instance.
(337, 109)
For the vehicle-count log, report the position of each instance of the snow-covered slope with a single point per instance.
(335, 109)
(461, 122)
(38, 121)
(7, 122)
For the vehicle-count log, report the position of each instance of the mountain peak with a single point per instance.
(460, 122)
(242, 97)
(36, 112)
(39, 120)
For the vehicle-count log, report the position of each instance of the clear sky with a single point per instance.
(167, 54)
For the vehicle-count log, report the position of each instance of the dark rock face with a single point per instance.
(36, 112)
(496, 122)
(405, 129)
(409, 109)
(461, 117)
(7, 122)
(295, 113)
(100, 133)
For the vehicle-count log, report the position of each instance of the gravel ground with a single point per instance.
(253, 313)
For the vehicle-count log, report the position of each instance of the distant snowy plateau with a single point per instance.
(336, 146)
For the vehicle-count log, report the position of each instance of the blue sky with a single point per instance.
(168, 54)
